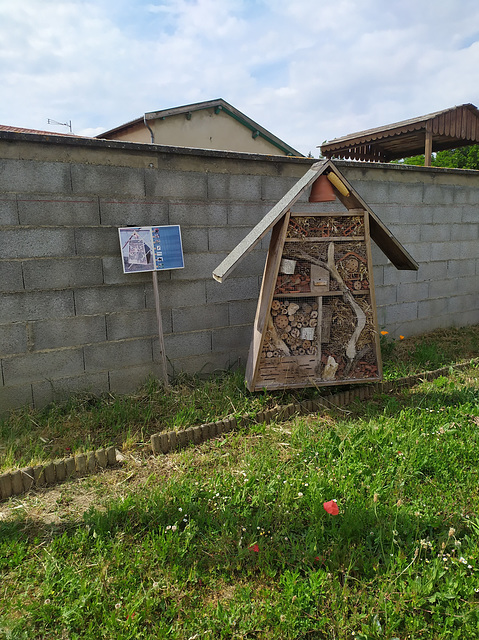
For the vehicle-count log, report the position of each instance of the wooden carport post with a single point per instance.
(428, 147)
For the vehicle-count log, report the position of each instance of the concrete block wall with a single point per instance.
(71, 321)
(435, 215)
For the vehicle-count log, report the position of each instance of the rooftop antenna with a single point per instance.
(62, 124)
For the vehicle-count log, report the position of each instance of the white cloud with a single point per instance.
(304, 69)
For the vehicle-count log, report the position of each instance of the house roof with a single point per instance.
(381, 235)
(5, 127)
(219, 105)
(450, 128)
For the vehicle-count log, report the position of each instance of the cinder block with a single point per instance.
(432, 270)
(113, 273)
(30, 176)
(469, 213)
(8, 209)
(136, 324)
(406, 233)
(453, 250)
(466, 195)
(15, 397)
(99, 241)
(36, 243)
(432, 308)
(67, 332)
(194, 240)
(386, 295)
(204, 364)
(234, 187)
(395, 276)
(235, 337)
(46, 365)
(20, 307)
(11, 278)
(373, 191)
(65, 210)
(118, 354)
(408, 194)
(273, 188)
(465, 231)
(412, 291)
(198, 318)
(439, 193)
(446, 214)
(242, 312)
(13, 338)
(129, 379)
(396, 314)
(104, 180)
(62, 273)
(232, 289)
(460, 268)
(183, 345)
(247, 214)
(198, 266)
(434, 232)
(225, 238)
(378, 274)
(141, 213)
(108, 299)
(177, 294)
(180, 185)
(197, 214)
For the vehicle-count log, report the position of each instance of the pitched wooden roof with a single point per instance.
(381, 235)
(446, 129)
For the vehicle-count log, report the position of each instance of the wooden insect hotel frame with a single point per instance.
(316, 321)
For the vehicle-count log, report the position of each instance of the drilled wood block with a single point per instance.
(70, 467)
(60, 470)
(101, 458)
(49, 470)
(28, 478)
(5, 486)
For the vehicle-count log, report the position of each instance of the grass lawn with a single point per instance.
(90, 422)
(231, 539)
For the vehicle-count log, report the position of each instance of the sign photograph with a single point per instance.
(151, 248)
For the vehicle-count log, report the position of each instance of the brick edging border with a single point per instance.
(14, 483)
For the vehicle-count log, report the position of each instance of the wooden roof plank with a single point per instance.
(261, 229)
(386, 241)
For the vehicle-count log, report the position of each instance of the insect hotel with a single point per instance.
(316, 321)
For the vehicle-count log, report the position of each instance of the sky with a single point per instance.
(306, 70)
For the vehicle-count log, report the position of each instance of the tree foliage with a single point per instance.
(461, 158)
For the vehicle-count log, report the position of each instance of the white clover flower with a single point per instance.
(118, 605)
(174, 527)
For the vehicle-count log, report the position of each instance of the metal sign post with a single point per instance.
(152, 249)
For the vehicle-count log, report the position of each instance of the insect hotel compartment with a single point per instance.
(321, 324)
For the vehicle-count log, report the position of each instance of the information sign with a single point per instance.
(151, 248)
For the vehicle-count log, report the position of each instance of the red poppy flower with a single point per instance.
(254, 547)
(331, 507)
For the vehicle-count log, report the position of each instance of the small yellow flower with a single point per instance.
(401, 337)
(384, 333)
